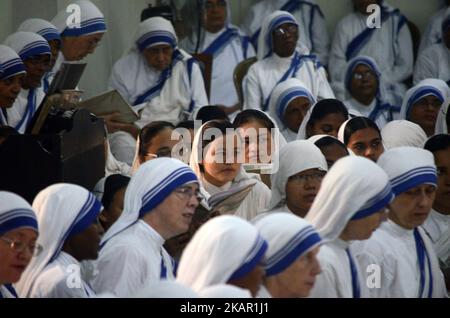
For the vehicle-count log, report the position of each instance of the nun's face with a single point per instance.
(85, 245)
(76, 48)
(159, 56)
(252, 281)
(9, 89)
(328, 125)
(159, 146)
(215, 15)
(297, 280)
(284, 39)
(363, 84)
(258, 142)
(333, 153)
(366, 143)
(425, 112)
(302, 189)
(442, 202)
(174, 215)
(362, 229)
(36, 67)
(411, 208)
(295, 112)
(223, 160)
(16, 250)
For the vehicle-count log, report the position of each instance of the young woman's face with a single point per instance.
(85, 245)
(411, 208)
(16, 250)
(295, 113)
(160, 145)
(366, 143)
(442, 202)
(302, 189)
(9, 89)
(299, 278)
(328, 125)
(257, 142)
(333, 153)
(362, 229)
(425, 112)
(364, 83)
(221, 163)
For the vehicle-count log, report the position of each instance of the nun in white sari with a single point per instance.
(15, 214)
(433, 32)
(28, 46)
(258, 198)
(78, 40)
(402, 251)
(350, 206)
(390, 46)
(443, 119)
(64, 212)
(290, 264)
(11, 66)
(289, 103)
(132, 255)
(272, 69)
(293, 159)
(403, 133)
(228, 46)
(223, 251)
(312, 25)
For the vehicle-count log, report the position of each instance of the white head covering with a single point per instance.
(408, 167)
(225, 291)
(283, 94)
(427, 87)
(295, 157)
(297, 238)
(153, 182)
(155, 31)
(63, 210)
(269, 24)
(441, 122)
(15, 213)
(223, 249)
(91, 21)
(400, 133)
(44, 28)
(28, 44)
(10, 62)
(354, 188)
(166, 289)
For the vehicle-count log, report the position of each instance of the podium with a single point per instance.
(76, 154)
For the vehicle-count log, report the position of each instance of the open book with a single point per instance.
(110, 102)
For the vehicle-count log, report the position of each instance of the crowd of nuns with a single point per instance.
(356, 202)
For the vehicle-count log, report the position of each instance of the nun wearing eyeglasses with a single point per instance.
(400, 249)
(389, 44)
(422, 103)
(228, 46)
(225, 250)
(160, 81)
(367, 93)
(290, 263)
(18, 235)
(350, 206)
(35, 53)
(289, 103)
(67, 216)
(434, 61)
(160, 201)
(297, 181)
(79, 40)
(278, 60)
(12, 71)
(313, 31)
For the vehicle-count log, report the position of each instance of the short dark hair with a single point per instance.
(250, 115)
(356, 124)
(207, 113)
(438, 143)
(188, 124)
(328, 141)
(325, 107)
(113, 183)
(149, 132)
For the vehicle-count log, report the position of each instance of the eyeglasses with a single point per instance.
(423, 103)
(219, 4)
(304, 178)
(285, 30)
(19, 247)
(366, 75)
(186, 193)
(159, 154)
